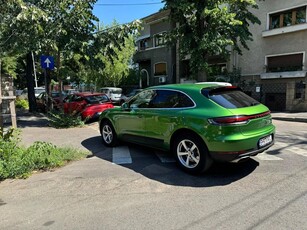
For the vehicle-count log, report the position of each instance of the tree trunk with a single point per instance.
(60, 79)
(30, 83)
(1, 117)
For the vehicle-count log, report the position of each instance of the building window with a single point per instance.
(283, 63)
(160, 69)
(159, 39)
(144, 44)
(300, 88)
(288, 18)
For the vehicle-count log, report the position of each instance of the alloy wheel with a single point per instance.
(188, 153)
(107, 134)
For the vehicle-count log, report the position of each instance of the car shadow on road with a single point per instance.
(148, 165)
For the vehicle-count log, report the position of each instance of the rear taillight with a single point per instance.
(233, 120)
(236, 120)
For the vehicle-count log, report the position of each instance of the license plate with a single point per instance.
(265, 141)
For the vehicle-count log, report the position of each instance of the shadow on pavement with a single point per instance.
(39, 123)
(26, 119)
(147, 164)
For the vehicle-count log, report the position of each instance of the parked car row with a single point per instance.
(87, 105)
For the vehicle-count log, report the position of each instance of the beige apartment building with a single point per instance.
(274, 68)
(276, 63)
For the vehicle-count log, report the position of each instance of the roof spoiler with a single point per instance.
(215, 83)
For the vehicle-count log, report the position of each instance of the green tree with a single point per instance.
(51, 27)
(61, 28)
(111, 51)
(207, 28)
(116, 66)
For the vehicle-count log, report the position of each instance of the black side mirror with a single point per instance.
(125, 106)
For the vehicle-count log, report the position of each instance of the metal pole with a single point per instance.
(34, 69)
(46, 90)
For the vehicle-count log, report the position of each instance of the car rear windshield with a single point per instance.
(96, 99)
(230, 97)
(116, 91)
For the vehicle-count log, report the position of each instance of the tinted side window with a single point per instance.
(170, 99)
(69, 98)
(95, 99)
(142, 99)
(77, 98)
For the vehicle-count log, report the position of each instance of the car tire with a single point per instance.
(108, 134)
(191, 153)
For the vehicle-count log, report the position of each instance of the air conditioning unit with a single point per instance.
(162, 79)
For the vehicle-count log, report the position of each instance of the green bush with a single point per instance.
(62, 120)
(22, 103)
(19, 162)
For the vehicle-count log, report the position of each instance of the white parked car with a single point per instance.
(113, 93)
(37, 91)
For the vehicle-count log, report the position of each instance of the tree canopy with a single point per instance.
(207, 28)
(112, 60)
(65, 29)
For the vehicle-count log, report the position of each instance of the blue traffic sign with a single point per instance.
(47, 62)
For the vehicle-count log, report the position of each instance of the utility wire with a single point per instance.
(128, 4)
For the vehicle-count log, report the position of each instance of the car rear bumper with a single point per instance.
(238, 156)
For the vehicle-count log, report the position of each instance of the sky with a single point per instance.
(124, 11)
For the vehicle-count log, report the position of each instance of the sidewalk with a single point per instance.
(285, 116)
(35, 127)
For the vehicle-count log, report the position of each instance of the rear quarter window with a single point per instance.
(230, 98)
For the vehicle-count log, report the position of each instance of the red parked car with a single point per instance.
(89, 105)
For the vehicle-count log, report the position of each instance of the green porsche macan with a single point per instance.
(199, 123)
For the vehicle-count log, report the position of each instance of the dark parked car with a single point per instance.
(55, 98)
(125, 98)
(198, 123)
(88, 105)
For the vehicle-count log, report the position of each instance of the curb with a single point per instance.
(295, 119)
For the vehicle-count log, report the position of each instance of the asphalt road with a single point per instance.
(134, 187)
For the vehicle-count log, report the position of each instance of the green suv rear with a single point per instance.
(198, 123)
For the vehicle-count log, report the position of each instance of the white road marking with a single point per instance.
(268, 157)
(121, 155)
(299, 151)
(302, 153)
(165, 158)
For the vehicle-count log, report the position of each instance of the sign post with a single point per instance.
(47, 62)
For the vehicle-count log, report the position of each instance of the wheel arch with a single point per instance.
(184, 131)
